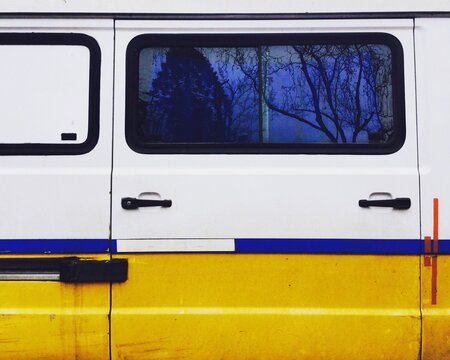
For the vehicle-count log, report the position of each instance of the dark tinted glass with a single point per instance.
(330, 94)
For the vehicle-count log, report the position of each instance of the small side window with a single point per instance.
(320, 93)
(49, 93)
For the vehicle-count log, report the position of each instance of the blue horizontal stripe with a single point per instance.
(251, 246)
(444, 247)
(54, 246)
(334, 246)
(114, 246)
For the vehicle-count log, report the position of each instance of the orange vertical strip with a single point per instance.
(433, 280)
(427, 244)
(435, 225)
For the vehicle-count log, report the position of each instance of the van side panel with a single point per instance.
(54, 192)
(236, 306)
(304, 271)
(433, 79)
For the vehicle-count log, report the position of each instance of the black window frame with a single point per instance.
(64, 39)
(253, 40)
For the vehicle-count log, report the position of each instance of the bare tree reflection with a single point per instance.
(338, 93)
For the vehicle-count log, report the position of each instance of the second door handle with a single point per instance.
(129, 203)
(398, 203)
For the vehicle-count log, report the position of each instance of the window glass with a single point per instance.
(49, 93)
(44, 92)
(322, 93)
(198, 95)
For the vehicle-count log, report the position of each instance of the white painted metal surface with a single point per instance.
(221, 6)
(59, 197)
(264, 196)
(433, 79)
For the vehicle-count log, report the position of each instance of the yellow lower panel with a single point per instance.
(211, 306)
(52, 320)
(436, 317)
(267, 336)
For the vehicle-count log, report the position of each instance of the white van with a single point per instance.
(224, 180)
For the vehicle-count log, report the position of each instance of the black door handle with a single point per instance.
(132, 203)
(398, 203)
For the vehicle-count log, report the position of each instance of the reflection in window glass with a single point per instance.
(290, 94)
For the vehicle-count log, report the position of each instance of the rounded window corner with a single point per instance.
(93, 102)
(394, 89)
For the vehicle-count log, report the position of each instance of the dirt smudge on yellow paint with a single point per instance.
(151, 350)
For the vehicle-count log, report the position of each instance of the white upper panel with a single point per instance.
(222, 6)
(262, 196)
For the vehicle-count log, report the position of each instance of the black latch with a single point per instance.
(94, 271)
(70, 269)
